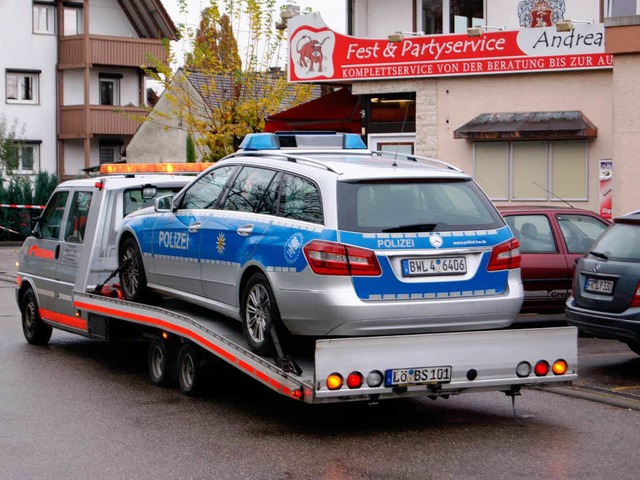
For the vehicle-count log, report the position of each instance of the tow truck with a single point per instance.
(63, 282)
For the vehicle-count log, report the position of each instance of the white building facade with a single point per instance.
(72, 78)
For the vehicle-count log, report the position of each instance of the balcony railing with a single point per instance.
(102, 120)
(106, 50)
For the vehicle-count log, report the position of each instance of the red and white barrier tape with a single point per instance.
(9, 230)
(15, 205)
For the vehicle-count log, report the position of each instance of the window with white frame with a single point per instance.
(44, 18)
(621, 8)
(26, 159)
(538, 170)
(451, 16)
(73, 21)
(22, 86)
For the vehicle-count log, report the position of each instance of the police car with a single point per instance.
(315, 235)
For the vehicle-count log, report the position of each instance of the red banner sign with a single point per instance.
(318, 54)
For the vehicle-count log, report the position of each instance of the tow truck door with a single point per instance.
(42, 251)
(71, 247)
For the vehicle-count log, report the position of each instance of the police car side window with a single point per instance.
(208, 189)
(300, 200)
(248, 189)
(51, 219)
(271, 198)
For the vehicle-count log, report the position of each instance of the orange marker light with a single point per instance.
(334, 381)
(559, 367)
(129, 168)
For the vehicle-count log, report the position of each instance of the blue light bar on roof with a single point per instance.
(260, 141)
(353, 141)
(302, 140)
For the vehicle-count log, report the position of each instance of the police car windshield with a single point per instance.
(415, 206)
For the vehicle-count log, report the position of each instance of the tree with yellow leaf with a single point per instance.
(220, 95)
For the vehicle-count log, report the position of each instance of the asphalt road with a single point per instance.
(83, 409)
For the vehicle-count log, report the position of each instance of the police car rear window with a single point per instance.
(432, 205)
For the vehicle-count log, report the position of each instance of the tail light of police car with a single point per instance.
(635, 301)
(330, 258)
(505, 256)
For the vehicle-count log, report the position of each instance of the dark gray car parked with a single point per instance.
(605, 301)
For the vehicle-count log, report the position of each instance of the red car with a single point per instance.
(551, 241)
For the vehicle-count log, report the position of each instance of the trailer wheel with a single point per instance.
(159, 363)
(189, 372)
(36, 332)
(259, 311)
(132, 277)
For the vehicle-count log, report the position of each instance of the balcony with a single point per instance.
(102, 120)
(106, 50)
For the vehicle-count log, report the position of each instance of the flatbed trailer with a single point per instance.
(479, 361)
(61, 284)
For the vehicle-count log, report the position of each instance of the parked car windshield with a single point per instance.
(415, 205)
(621, 242)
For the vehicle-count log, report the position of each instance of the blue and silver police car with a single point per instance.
(317, 235)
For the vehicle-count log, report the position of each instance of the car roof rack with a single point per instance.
(415, 158)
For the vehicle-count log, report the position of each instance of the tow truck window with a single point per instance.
(51, 219)
(77, 218)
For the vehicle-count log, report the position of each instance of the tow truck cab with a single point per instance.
(81, 214)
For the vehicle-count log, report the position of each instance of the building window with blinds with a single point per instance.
(532, 171)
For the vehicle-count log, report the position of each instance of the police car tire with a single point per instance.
(36, 332)
(258, 289)
(159, 363)
(130, 248)
(188, 370)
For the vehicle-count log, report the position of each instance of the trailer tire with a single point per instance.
(35, 331)
(132, 278)
(159, 363)
(189, 371)
(259, 311)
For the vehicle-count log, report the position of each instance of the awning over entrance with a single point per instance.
(567, 125)
(339, 111)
